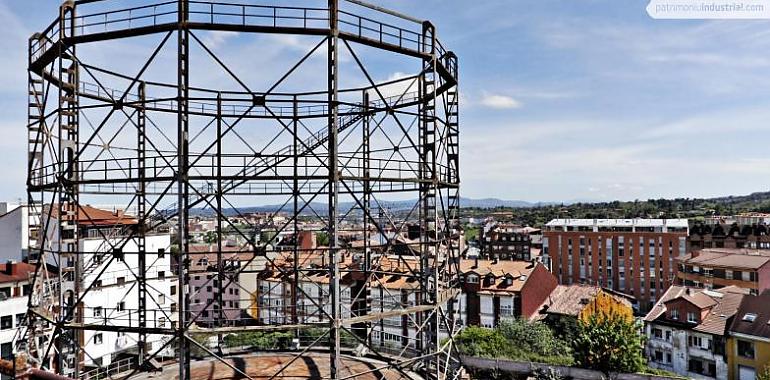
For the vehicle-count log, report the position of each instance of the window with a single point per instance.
(98, 339)
(749, 317)
(98, 311)
(674, 314)
(746, 349)
(6, 351)
(473, 279)
(162, 322)
(657, 333)
(161, 275)
(6, 322)
(692, 318)
(173, 290)
(161, 253)
(117, 253)
(121, 280)
(121, 306)
(20, 319)
(161, 299)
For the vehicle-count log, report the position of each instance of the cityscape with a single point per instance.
(349, 189)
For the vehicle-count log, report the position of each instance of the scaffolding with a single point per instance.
(370, 164)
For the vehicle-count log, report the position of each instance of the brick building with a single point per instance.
(497, 289)
(632, 256)
(715, 268)
(507, 242)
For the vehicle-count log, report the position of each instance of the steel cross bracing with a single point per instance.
(336, 158)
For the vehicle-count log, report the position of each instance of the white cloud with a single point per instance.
(499, 101)
(215, 39)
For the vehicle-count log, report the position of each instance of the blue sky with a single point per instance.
(562, 100)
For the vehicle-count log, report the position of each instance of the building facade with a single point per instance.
(735, 235)
(687, 331)
(494, 290)
(715, 268)
(631, 256)
(13, 231)
(14, 291)
(506, 242)
(749, 339)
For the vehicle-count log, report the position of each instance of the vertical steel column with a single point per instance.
(141, 199)
(69, 255)
(333, 188)
(220, 268)
(295, 223)
(429, 241)
(362, 306)
(183, 124)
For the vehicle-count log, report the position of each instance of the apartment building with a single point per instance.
(494, 290)
(109, 269)
(13, 231)
(715, 268)
(748, 345)
(687, 331)
(14, 291)
(735, 235)
(507, 242)
(631, 256)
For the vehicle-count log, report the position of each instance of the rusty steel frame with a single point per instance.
(59, 176)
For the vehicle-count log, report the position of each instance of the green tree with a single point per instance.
(609, 345)
(210, 237)
(322, 238)
(764, 374)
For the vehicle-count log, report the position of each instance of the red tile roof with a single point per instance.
(728, 258)
(722, 304)
(19, 272)
(571, 299)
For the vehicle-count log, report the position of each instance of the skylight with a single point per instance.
(749, 317)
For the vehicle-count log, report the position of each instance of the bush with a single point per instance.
(534, 337)
(260, 340)
(515, 340)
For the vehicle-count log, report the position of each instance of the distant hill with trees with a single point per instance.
(690, 208)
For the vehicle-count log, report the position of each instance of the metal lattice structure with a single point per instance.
(337, 157)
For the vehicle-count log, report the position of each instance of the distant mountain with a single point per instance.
(494, 202)
(392, 206)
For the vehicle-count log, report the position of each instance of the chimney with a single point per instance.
(476, 262)
(494, 261)
(695, 253)
(10, 267)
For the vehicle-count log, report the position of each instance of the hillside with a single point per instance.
(691, 208)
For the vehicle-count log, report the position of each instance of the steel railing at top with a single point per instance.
(408, 37)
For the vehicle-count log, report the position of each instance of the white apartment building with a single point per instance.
(114, 297)
(14, 289)
(13, 231)
(109, 270)
(687, 331)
